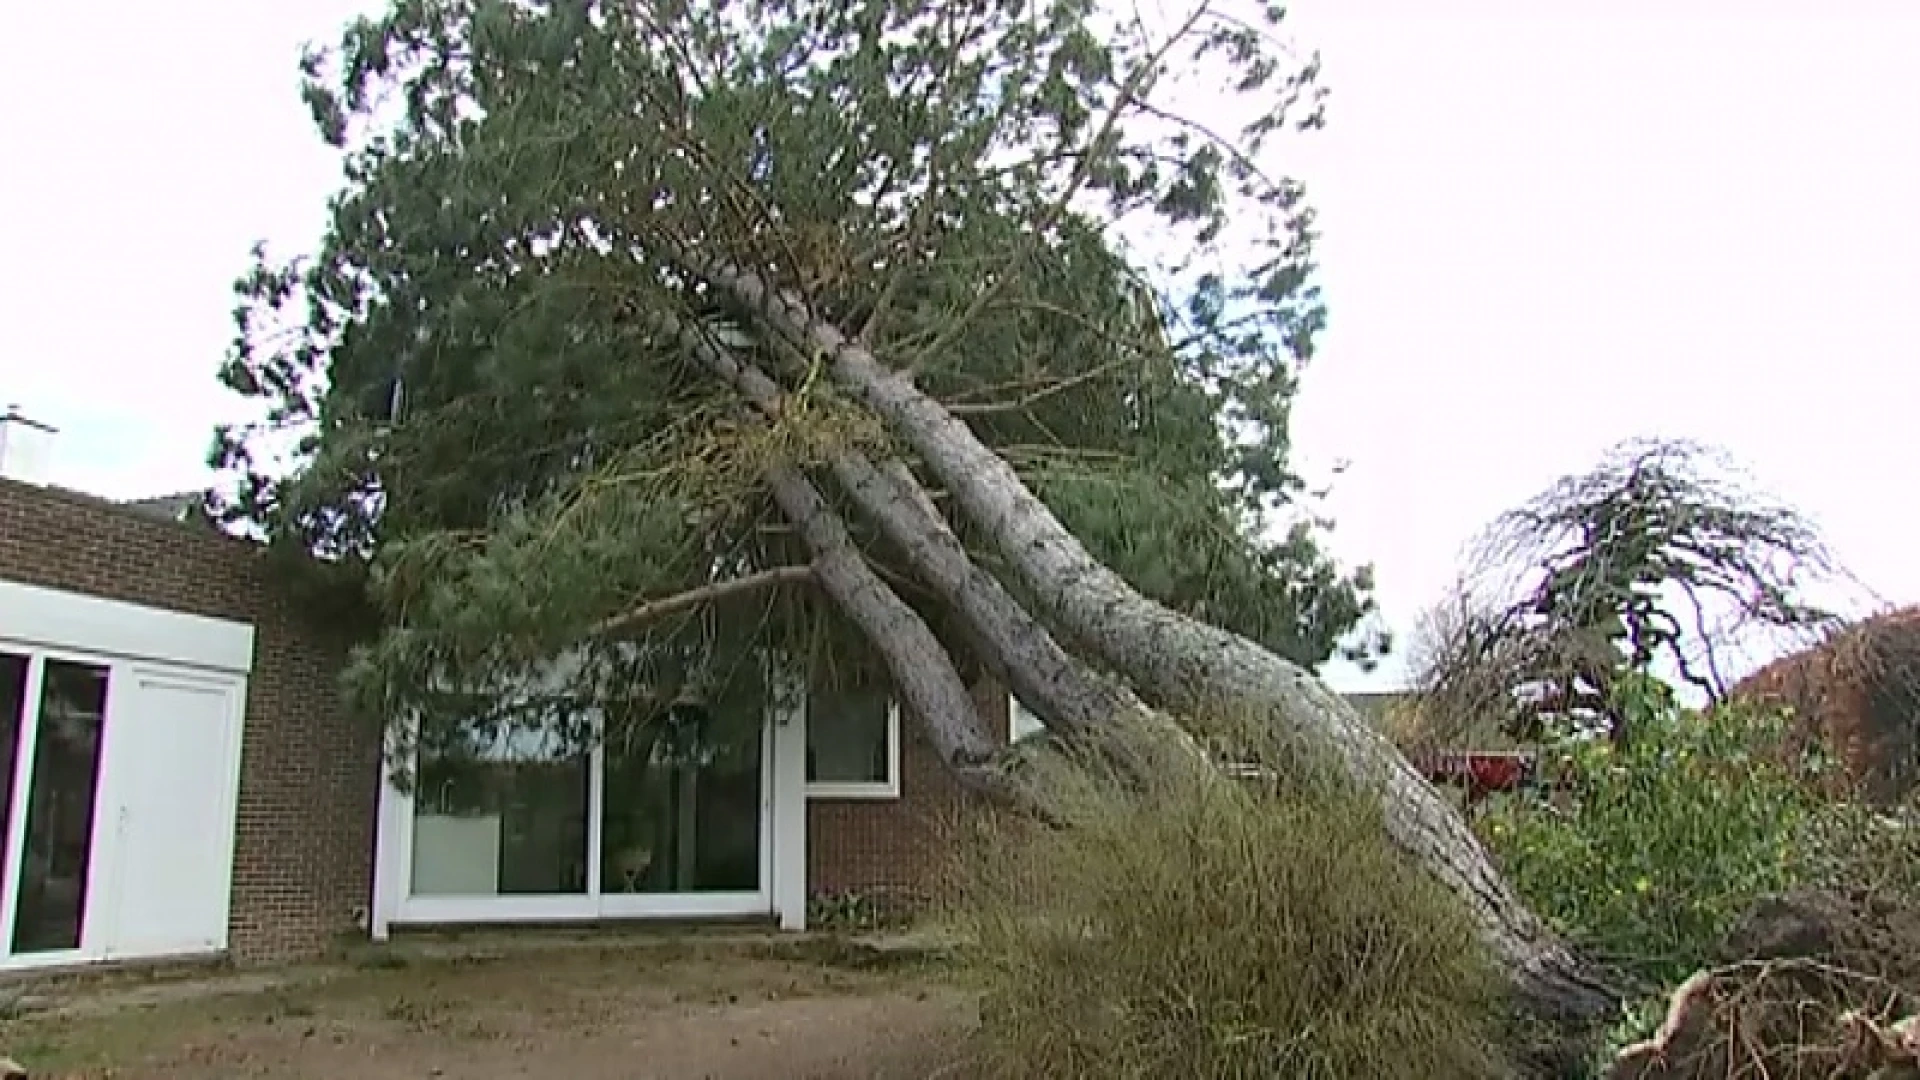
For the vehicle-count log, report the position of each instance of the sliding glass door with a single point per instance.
(662, 813)
(52, 716)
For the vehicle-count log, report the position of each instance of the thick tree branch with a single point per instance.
(1019, 649)
(653, 611)
(921, 671)
(918, 665)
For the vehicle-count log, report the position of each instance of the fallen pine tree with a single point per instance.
(681, 337)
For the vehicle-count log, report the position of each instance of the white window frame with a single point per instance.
(398, 905)
(1022, 723)
(868, 790)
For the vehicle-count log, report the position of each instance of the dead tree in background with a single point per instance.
(1655, 556)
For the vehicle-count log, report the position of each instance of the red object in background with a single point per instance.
(1481, 772)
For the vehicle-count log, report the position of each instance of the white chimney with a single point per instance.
(26, 448)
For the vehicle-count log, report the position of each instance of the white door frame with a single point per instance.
(53, 624)
(103, 889)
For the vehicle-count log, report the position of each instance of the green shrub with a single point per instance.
(1190, 926)
(1660, 845)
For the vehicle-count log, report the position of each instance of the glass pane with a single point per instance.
(13, 714)
(59, 838)
(682, 809)
(500, 813)
(847, 736)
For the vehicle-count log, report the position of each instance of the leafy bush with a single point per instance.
(1191, 926)
(1657, 846)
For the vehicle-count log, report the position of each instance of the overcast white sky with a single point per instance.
(1547, 227)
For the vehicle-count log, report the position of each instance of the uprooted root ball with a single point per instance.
(1827, 988)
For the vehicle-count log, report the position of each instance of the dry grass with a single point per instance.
(1195, 928)
(486, 1010)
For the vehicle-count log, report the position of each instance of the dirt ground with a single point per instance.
(586, 1009)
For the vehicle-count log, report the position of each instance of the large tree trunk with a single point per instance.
(922, 672)
(1016, 647)
(1180, 662)
(918, 665)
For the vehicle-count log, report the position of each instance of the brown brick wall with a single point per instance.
(889, 849)
(308, 777)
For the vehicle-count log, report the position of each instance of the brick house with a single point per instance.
(178, 776)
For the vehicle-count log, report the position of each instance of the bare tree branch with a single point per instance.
(1130, 96)
(653, 611)
(1029, 400)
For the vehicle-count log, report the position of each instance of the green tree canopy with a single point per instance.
(487, 427)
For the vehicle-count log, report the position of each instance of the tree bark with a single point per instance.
(1076, 701)
(1180, 662)
(1017, 648)
(921, 671)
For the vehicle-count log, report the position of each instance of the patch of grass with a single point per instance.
(380, 959)
(1184, 925)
